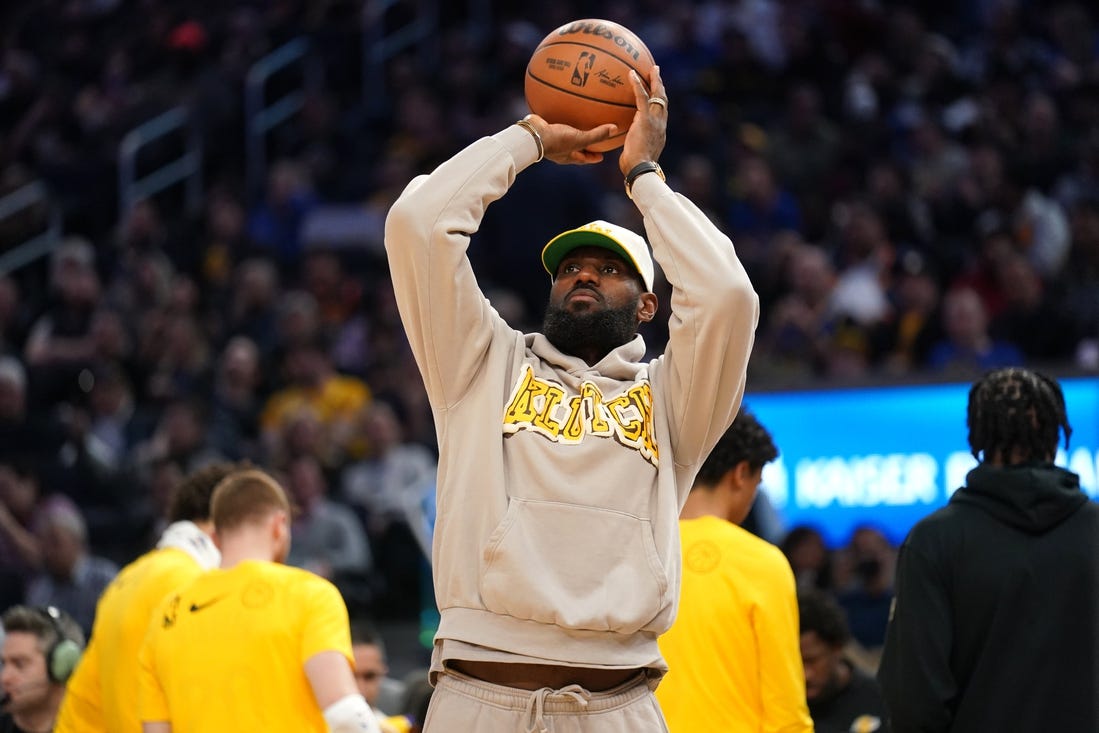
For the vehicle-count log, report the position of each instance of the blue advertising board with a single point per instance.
(889, 456)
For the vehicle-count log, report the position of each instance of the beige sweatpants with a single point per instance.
(461, 704)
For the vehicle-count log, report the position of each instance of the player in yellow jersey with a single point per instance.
(100, 694)
(733, 653)
(254, 645)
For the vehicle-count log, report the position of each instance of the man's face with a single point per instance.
(822, 662)
(23, 677)
(369, 670)
(595, 302)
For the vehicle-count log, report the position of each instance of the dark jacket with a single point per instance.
(996, 622)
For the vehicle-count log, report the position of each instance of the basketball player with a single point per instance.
(565, 457)
(41, 648)
(995, 622)
(100, 695)
(253, 645)
(733, 655)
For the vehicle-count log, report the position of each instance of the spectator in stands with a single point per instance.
(114, 426)
(181, 435)
(297, 320)
(14, 315)
(867, 256)
(794, 336)
(274, 225)
(902, 341)
(1038, 221)
(994, 626)
(183, 365)
(223, 241)
(732, 652)
(59, 343)
(328, 538)
(1032, 319)
(20, 549)
(236, 400)
(804, 148)
(253, 304)
(71, 577)
(312, 382)
(1080, 281)
(372, 670)
(968, 346)
(842, 697)
(40, 649)
(393, 473)
(809, 557)
(864, 575)
(25, 434)
(760, 208)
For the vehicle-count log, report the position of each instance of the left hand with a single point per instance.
(646, 137)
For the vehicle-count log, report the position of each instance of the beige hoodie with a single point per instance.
(560, 484)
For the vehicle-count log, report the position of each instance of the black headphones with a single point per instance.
(64, 653)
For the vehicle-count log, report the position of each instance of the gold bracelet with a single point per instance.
(525, 124)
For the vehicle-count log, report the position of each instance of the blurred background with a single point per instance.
(192, 197)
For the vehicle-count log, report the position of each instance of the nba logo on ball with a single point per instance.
(579, 76)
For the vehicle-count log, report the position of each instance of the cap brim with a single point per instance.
(562, 244)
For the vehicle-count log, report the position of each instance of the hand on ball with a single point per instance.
(646, 137)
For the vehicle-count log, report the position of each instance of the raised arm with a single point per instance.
(714, 308)
(448, 321)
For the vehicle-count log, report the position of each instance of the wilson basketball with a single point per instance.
(579, 75)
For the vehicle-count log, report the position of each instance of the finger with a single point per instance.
(586, 157)
(640, 92)
(656, 83)
(598, 134)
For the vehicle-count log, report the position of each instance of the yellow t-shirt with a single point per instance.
(339, 398)
(227, 652)
(100, 694)
(733, 653)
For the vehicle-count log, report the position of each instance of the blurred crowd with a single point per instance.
(913, 187)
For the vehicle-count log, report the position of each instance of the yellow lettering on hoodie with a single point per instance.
(521, 409)
(537, 404)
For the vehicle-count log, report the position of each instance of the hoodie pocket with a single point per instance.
(574, 566)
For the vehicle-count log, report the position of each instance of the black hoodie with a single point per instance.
(995, 625)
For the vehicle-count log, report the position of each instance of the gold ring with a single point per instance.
(658, 100)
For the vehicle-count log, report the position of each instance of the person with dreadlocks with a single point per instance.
(995, 623)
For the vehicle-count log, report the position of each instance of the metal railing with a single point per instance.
(38, 245)
(380, 45)
(187, 168)
(261, 116)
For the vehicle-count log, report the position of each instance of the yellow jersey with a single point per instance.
(100, 694)
(227, 652)
(733, 652)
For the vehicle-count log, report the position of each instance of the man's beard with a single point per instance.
(599, 330)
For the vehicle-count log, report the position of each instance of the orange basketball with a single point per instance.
(579, 75)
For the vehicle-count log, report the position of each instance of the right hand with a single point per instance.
(568, 145)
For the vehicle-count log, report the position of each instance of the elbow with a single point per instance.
(740, 299)
(402, 222)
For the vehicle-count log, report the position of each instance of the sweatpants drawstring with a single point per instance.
(536, 704)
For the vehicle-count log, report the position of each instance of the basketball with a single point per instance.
(579, 76)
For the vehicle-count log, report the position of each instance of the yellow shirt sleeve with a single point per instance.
(327, 627)
(80, 709)
(152, 704)
(781, 673)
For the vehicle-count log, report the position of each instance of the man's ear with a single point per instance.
(647, 306)
(742, 474)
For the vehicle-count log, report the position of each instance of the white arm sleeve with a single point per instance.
(351, 714)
